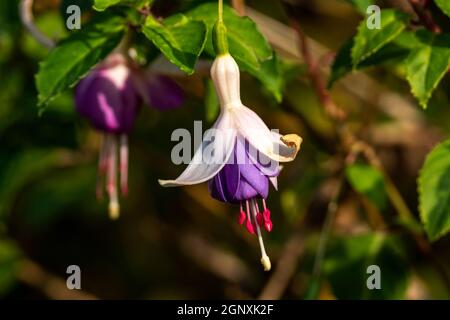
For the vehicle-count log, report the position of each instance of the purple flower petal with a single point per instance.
(163, 93)
(240, 180)
(107, 98)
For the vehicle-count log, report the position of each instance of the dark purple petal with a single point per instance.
(225, 184)
(163, 93)
(240, 180)
(250, 173)
(107, 98)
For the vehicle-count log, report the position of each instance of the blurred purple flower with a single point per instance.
(109, 98)
(161, 92)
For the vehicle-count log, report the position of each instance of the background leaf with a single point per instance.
(179, 38)
(369, 41)
(361, 5)
(368, 181)
(9, 257)
(101, 5)
(348, 258)
(342, 64)
(211, 102)
(72, 59)
(434, 192)
(444, 5)
(427, 64)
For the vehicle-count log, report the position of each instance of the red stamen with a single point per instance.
(259, 218)
(249, 227)
(268, 226)
(241, 216)
(249, 224)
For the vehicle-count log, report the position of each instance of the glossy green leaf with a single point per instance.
(101, 5)
(348, 259)
(444, 5)
(361, 5)
(434, 192)
(369, 41)
(368, 181)
(72, 59)
(179, 38)
(427, 64)
(270, 74)
(342, 65)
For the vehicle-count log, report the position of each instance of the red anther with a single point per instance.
(260, 219)
(268, 225)
(249, 227)
(266, 215)
(241, 217)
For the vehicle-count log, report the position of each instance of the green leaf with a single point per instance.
(368, 181)
(361, 5)
(444, 5)
(9, 258)
(74, 57)
(211, 101)
(434, 192)
(101, 5)
(369, 41)
(349, 257)
(246, 44)
(269, 74)
(342, 65)
(427, 64)
(179, 38)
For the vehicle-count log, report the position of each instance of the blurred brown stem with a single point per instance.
(425, 16)
(239, 6)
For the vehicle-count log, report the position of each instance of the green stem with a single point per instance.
(220, 18)
(220, 41)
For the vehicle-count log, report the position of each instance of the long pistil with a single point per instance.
(114, 207)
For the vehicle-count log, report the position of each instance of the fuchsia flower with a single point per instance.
(245, 155)
(109, 98)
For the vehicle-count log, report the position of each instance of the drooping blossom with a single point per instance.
(109, 98)
(239, 156)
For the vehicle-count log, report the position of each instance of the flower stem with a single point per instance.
(220, 16)
(220, 41)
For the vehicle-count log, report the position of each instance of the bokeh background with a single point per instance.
(179, 243)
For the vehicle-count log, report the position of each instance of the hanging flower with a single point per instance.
(109, 98)
(240, 155)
